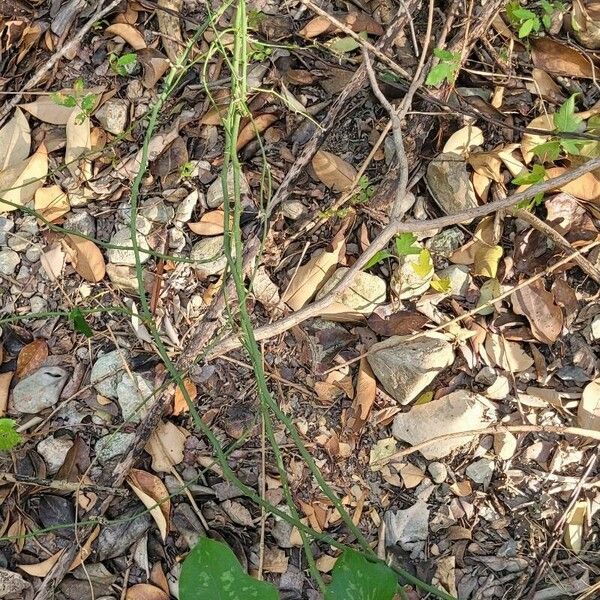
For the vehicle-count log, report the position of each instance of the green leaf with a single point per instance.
(424, 265)
(536, 175)
(9, 437)
(571, 146)
(438, 74)
(526, 28)
(63, 100)
(355, 578)
(79, 323)
(444, 55)
(548, 151)
(565, 119)
(442, 285)
(379, 257)
(405, 244)
(211, 571)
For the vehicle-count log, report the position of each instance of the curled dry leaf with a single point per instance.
(15, 140)
(255, 127)
(31, 358)
(333, 171)
(560, 59)
(154, 496)
(211, 223)
(588, 412)
(464, 140)
(169, 26)
(166, 446)
(154, 65)
(5, 379)
(19, 183)
(88, 260)
(51, 203)
(487, 164)
(311, 277)
(145, 591)
(179, 403)
(538, 305)
(128, 33)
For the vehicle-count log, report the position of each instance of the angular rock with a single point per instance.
(107, 371)
(214, 195)
(81, 222)
(405, 369)
(459, 278)
(12, 585)
(134, 395)
(53, 451)
(481, 471)
(459, 411)
(449, 183)
(363, 296)
(113, 115)
(112, 445)
(124, 256)
(38, 391)
(408, 528)
(446, 242)
(209, 256)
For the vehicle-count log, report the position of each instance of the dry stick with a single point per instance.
(582, 262)
(48, 65)
(395, 227)
(60, 484)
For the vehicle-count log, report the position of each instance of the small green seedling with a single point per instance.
(365, 191)
(536, 175)
(86, 102)
(9, 437)
(80, 325)
(186, 170)
(528, 21)
(446, 70)
(123, 65)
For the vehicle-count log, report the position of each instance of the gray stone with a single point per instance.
(134, 395)
(112, 445)
(438, 472)
(292, 209)
(12, 585)
(363, 296)
(81, 222)
(406, 282)
(33, 253)
(6, 226)
(155, 210)
(481, 471)
(408, 528)
(37, 304)
(186, 207)
(459, 277)
(122, 256)
(405, 368)
(113, 115)
(446, 242)
(486, 376)
(209, 256)
(53, 451)
(214, 195)
(450, 184)
(9, 261)
(38, 391)
(107, 371)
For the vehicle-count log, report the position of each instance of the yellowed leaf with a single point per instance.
(128, 33)
(588, 411)
(486, 259)
(51, 202)
(79, 144)
(19, 185)
(573, 535)
(255, 127)
(170, 26)
(145, 591)
(179, 403)
(481, 185)
(333, 171)
(31, 358)
(89, 262)
(309, 278)
(154, 496)
(211, 223)
(166, 446)
(42, 569)
(464, 140)
(15, 140)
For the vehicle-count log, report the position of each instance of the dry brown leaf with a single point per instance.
(51, 203)
(487, 164)
(588, 412)
(255, 127)
(530, 140)
(169, 25)
(411, 475)
(543, 85)
(238, 513)
(585, 24)
(154, 496)
(515, 166)
(165, 446)
(47, 110)
(311, 277)
(19, 183)
(211, 223)
(573, 535)
(79, 144)
(315, 27)
(333, 171)
(586, 187)
(357, 21)
(128, 33)
(507, 355)
(88, 260)
(154, 65)
(158, 577)
(179, 404)
(15, 140)
(42, 569)
(86, 549)
(31, 358)
(366, 389)
(560, 59)
(464, 140)
(538, 305)
(145, 591)
(5, 379)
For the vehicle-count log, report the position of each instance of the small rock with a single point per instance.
(486, 376)
(292, 209)
(124, 277)
(209, 256)
(450, 184)
(106, 373)
(134, 396)
(6, 226)
(363, 296)
(33, 253)
(408, 528)
(481, 471)
(37, 304)
(53, 451)
(282, 531)
(9, 261)
(39, 391)
(81, 222)
(406, 282)
(405, 369)
(595, 329)
(459, 411)
(113, 115)
(438, 472)
(112, 445)
(186, 207)
(459, 277)
(446, 242)
(155, 210)
(12, 585)
(214, 195)
(505, 445)
(126, 257)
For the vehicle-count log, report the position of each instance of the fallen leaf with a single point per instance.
(588, 411)
(154, 65)
(506, 155)
(366, 390)
(507, 355)
(210, 223)
(19, 183)
(530, 140)
(86, 549)
(79, 145)
(544, 86)
(47, 110)
(5, 379)
(486, 260)
(170, 26)
(154, 496)
(15, 140)
(31, 358)
(560, 59)
(464, 140)
(538, 305)
(166, 446)
(311, 277)
(573, 535)
(411, 475)
(158, 578)
(88, 260)
(42, 569)
(254, 128)
(179, 403)
(333, 171)
(315, 27)
(585, 24)
(145, 591)
(238, 513)
(586, 187)
(128, 33)
(487, 164)
(51, 203)
(382, 450)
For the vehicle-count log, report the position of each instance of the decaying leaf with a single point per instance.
(15, 141)
(31, 358)
(333, 171)
(381, 451)
(560, 59)
(254, 128)
(51, 203)
(154, 65)
(538, 305)
(573, 535)
(154, 496)
(19, 183)
(366, 389)
(585, 23)
(88, 260)
(165, 446)
(169, 25)
(179, 403)
(588, 412)
(128, 33)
